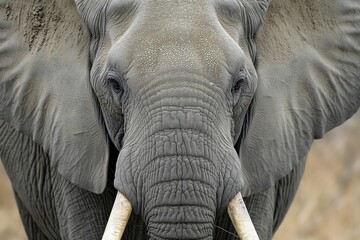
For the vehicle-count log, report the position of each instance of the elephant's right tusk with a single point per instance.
(118, 219)
(240, 218)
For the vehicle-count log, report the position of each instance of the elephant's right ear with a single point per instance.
(45, 91)
(308, 63)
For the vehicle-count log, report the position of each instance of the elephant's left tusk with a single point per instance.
(118, 219)
(240, 218)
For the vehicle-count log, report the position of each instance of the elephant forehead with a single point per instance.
(181, 36)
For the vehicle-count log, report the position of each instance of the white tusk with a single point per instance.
(241, 219)
(118, 219)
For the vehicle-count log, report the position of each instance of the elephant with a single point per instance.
(174, 110)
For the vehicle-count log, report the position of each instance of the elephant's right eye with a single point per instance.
(114, 84)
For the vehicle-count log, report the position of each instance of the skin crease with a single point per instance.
(172, 103)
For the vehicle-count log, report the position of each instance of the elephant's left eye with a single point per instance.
(238, 82)
(114, 84)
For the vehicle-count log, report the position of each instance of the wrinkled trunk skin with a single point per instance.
(181, 206)
(179, 188)
(177, 163)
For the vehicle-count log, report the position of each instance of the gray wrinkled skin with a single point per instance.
(179, 105)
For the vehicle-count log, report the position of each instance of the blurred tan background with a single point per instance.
(327, 204)
(326, 207)
(10, 224)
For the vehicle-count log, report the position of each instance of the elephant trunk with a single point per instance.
(180, 183)
(178, 166)
(182, 206)
(181, 230)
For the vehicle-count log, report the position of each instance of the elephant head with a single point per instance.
(202, 99)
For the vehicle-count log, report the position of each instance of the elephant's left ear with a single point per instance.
(308, 63)
(45, 91)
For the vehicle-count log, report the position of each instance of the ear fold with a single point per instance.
(308, 63)
(45, 90)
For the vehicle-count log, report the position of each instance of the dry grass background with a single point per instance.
(10, 223)
(327, 204)
(326, 207)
